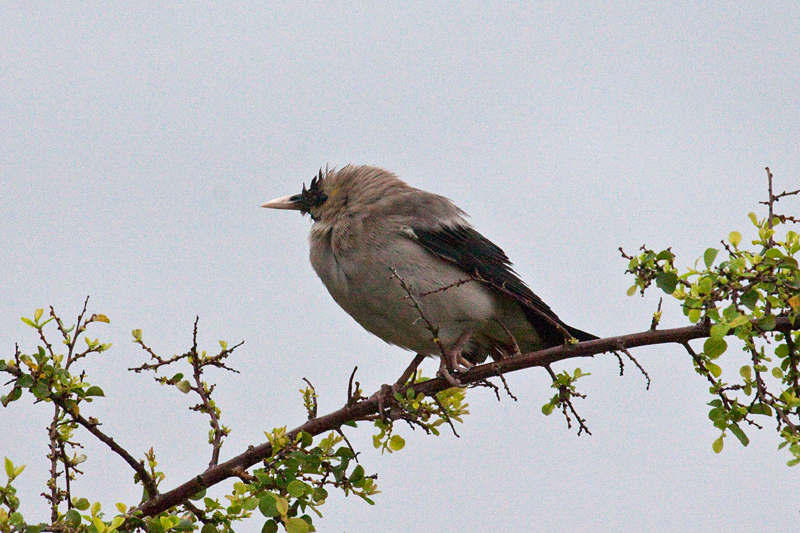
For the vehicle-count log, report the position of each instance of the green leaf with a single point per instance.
(397, 443)
(249, 504)
(667, 281)
(713, 348)
(296, 488)
(767, 323)
(745, 372)
(184, 386)
(116, 522)
(282, 505)
(25, 381)
(750, 299)
(777, 372)
(208, 527)
(81, 504)
(73, 517)
(266, 504)
(737, 431)
(709, 256)
(41, 390)
(38, 314)
(753, 218)
(102, 318)
(547, 409)
(632, 290)
(718, 331)
(9, 469)
(665, 255)
(735, 238)
(94, 390)
(137, 335)
(270, 526)
(29, 322)
(295, 525)
(714, 369)
(320, 494)
(739, 321)
(717, 445)
(358, 474)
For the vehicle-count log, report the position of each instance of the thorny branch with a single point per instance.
(363, 409)
(198, 362)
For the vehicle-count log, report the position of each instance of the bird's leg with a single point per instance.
(517, 351)
(452, 360)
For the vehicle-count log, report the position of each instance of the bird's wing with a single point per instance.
(477, 256)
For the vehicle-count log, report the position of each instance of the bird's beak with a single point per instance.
(287, 202)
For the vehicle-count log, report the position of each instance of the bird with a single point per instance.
(410, 269)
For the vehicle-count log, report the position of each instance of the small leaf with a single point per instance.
(737, 431)
(767, 323)
(794, 302)
(667, 281)
(709, 256)
(9, 469)
(101, 527)
(714, 369)
(281, 505)
(357, 475)
(739, 321)
(718, 331)
(270, 526)
(249, 504)
(396, 443)
(745, 372)
(266, 504)
(94, 390)
(295, 525)
(101, 318)
(632, 290)
(81, 504)
(296, 488)
(137, 335)
(38, 314)
(735, 238)
(184, 386)
(29, 322)
(750, 299)
(753, 218)
(713, 348)
(547, 409)
(717, 445)
(73, 517)
(777, 372)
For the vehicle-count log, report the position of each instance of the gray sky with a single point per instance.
(137, 142)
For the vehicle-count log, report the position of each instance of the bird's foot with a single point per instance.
(386, 401)
(453, 360)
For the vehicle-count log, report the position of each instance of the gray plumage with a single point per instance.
(368, 224)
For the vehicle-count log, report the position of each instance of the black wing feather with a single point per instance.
(477, 255)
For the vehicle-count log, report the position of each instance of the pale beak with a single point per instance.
(287, 202)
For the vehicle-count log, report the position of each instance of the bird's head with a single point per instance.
(336, 193)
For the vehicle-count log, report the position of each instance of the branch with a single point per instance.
(360, 410)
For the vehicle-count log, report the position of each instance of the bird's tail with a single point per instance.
(581, 335)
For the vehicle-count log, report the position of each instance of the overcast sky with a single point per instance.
(137, 142)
